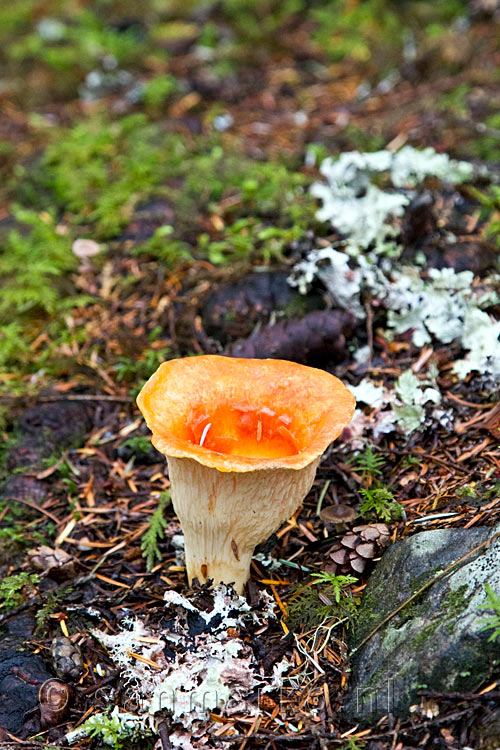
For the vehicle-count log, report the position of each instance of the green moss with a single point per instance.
(455, 100)
(377, 604)
(416, 582)
(425, 634)
(456, 601)
(356, 30)
(16, 588)
(372, 614)
(123, 163)
(116, 165)
(487, 147)
(138, 445)
(93, 175)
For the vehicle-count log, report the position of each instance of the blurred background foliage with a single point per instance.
(117, 114)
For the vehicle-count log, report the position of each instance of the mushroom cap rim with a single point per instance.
(225, 462)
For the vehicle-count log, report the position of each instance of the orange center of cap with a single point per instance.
(243, 430)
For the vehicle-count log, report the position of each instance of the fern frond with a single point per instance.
(368, 462)
(155, 532)
(492, 622)
(381, 503)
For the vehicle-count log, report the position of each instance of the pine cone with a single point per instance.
(66, 658)
(357, 547)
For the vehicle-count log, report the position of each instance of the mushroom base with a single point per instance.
(224, 515)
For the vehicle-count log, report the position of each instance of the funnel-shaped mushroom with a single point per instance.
(243, 438)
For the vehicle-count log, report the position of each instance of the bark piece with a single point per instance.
(316, 338)
(233, 310)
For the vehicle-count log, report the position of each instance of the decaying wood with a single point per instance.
(318, 337)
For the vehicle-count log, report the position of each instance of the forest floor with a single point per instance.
(155, 168)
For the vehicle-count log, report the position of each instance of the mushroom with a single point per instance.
(338, 514)
(243, 439)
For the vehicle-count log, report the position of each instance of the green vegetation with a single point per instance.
(353, 744)
(326, 596)
(79, 45)
(30, 264)
(487, 146)
(260, 208)
(379, 502)
(136, 371)
(356, 30)
(14, 590)
(421, 639)
(51, 603)
(491, 202)
(456, 100)
(468, 490)
(140, 445)
(116, 730)
(71, 38)
(336, 583)
(158, 90)
(154, 534)
(14, 536)
(120, 164)
(11, 533)
(369, 463)
(493, 604)
(227, 207)
(116, 165)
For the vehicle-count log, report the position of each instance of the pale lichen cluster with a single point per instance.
(445, 307)
(197, 665)
(364, 212)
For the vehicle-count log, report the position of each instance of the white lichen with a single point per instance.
(446, 307)
(480, 336)
(366, 214)
(412, 395)
(402, 407)
(411, 166)
(197, 665)
(368, 393)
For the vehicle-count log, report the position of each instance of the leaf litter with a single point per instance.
(420, 332)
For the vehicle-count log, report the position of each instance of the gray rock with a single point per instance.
(436, 642)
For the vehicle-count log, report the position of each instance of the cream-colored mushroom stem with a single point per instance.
(224, 515)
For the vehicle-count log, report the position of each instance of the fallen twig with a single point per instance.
(491, 695)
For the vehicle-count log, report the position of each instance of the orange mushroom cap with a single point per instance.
(244, 414)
